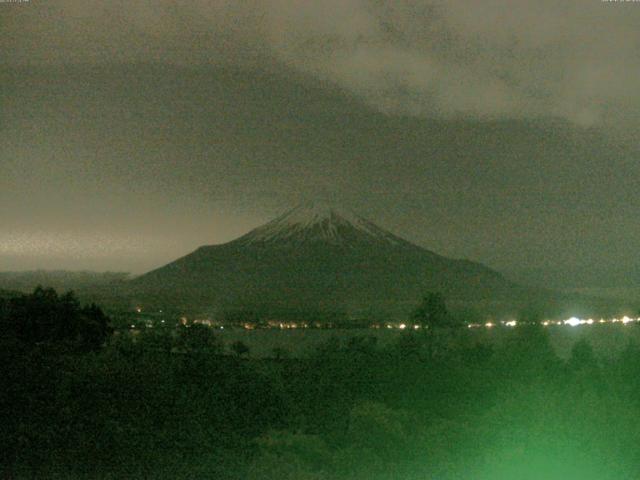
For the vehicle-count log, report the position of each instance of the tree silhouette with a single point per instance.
(44, 317)
(432, 312)
(198, 338)
(94, 327)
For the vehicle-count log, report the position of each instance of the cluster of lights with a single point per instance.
(509, 323)
(404, 326)
(400, 326)
(572, 322)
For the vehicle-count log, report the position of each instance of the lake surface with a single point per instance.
(607, 340)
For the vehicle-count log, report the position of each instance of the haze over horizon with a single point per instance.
(504, 134)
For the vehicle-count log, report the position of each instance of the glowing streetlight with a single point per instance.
(573, 321)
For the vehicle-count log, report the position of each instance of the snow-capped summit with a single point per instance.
(315, 221)
(316, 260)
(310, 213)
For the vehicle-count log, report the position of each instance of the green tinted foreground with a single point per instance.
(170, 404)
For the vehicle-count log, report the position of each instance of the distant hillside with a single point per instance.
(319, 258)
(610, 281)
(61, 280)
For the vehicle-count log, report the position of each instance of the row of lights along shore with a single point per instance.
(572, 322)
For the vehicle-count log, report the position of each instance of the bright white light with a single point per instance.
(573, 321)
(589, 321)
(546, 323)
(402, 326)
(416, 327)
(488, 325)
(626, 320)
(511, 323)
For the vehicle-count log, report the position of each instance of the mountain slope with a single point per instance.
(316, 257)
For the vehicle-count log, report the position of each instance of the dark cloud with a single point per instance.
(133, 132)
(141, 164)
(518, 59)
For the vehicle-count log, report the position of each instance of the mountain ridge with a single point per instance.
(323, 258)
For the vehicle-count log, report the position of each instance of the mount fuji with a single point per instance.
(318, 223)
(319, 258)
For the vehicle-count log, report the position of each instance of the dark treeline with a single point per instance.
(168, 404)
(44, 318)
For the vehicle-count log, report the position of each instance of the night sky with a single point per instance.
(500, 131)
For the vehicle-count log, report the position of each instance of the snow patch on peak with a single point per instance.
(313, 221)
(311, 213)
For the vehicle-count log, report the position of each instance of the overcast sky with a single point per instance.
(499, 131)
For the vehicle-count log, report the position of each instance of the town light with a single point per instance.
(573, 321)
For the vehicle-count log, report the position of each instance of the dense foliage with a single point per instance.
(168, 404)
(44, 317)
